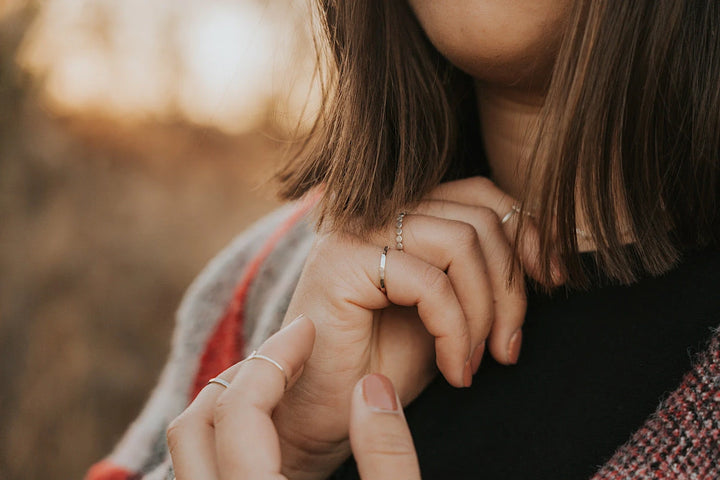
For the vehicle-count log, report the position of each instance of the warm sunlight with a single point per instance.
(233, 64)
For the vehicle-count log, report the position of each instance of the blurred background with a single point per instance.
(135, 139)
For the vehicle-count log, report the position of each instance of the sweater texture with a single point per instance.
(240, 299)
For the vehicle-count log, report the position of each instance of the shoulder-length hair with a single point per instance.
(630, 129)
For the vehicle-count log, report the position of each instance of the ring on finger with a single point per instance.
(399, 231)
(381, 269)
(256, 356)
(219, 381)
(513, 210)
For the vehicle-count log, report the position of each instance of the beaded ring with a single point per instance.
(399, 231)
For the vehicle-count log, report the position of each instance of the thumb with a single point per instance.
(379, 435)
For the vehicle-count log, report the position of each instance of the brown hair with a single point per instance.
(631, 122)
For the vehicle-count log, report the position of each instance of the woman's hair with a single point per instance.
(630, 129)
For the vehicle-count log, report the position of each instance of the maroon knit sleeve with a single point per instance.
(681, 440)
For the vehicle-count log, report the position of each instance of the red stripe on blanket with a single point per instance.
(225, 346)
(105, 470)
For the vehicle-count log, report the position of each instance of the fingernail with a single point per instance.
(514, 347)
(467, 374)
(379, 393)
(477, 357)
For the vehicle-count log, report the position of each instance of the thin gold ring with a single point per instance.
(256, 356)
(219, 381)
(381, 269)
(513, 210)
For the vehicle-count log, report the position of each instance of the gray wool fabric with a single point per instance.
(142, 448)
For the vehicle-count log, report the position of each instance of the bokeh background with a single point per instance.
(136, 138)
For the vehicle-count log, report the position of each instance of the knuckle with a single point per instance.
(466, 236)
(223, 408)
(482, 182)
(439, 189)
(434, 279)
(487, 217)
(175, 430)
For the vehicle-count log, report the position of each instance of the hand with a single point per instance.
(447, 298)
(228, 433)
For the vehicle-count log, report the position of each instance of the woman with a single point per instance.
(597, 122)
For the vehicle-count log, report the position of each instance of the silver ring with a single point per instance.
(219, 381)
(399, 231)
(381, 269)
(255, 356)
(513, 210)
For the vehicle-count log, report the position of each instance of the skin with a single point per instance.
(508, 47)
(379, 434)
(447, 301)
(505, 43)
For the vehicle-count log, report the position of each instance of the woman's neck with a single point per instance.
(508, 122)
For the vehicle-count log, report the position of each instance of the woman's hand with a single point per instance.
(228, 433)
(447, 300)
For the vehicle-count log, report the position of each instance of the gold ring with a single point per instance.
(381, 269)
(514, 209)
(219, 381)
(256, 356)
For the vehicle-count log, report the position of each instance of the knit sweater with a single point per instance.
(240, 299)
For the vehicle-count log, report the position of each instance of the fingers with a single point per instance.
(191, 436)
(246, 441)
(412, 282)
(379, 435)
(453, 246)
(508, 301)
(480, 191)
(206, 440)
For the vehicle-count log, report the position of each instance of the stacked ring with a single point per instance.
(514, 209)
(253, 356)
(381, 269)
(399, 231)
(219, 381)
(256, 356)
